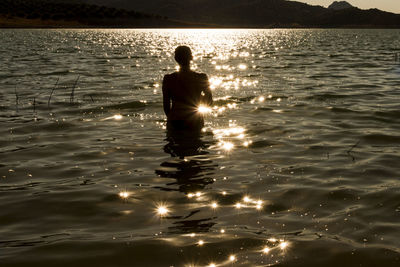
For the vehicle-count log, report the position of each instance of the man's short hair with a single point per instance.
(183, 55)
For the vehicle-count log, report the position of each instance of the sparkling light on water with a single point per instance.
(246, 199)
(204, 109)
(124, 194)
(227, 146)
(283, 245)
(162, 210)
(266, 250)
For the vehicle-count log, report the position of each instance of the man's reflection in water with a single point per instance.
(190, 164)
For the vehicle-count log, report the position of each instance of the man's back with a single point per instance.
(187, 90)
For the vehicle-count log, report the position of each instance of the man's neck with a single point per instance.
(184, 68)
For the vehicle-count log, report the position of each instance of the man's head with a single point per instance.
(183, 55)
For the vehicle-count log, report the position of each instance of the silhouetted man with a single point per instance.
(183, 92)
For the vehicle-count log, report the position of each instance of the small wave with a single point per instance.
(135, 105)
(322, 97)
(392, 114)
(262, 143)
(382, 139)
(327, 75)
(364, 65)
(342, 110)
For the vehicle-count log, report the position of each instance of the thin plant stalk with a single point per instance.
(71, 98)
(34, 104)
(55, 86)
(16, 98)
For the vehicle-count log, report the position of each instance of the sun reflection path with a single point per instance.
(230, 137)
(230, 82)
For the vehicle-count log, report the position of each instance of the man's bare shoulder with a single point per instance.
(170, 76)
(201, 76)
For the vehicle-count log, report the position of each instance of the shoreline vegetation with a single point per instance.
(59, 14)
(47, 14)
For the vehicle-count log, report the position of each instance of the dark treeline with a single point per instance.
(199, 13)
(83, 14)
(258, 13)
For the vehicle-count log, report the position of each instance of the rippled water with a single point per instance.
(298, 164)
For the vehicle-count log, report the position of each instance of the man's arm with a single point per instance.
(207, 91)
(166, 96)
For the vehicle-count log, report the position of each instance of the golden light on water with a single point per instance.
(283, 245)
(266, 250)
(204, 109)
(200, 242)
(214, 205)
(232, 131)
(248, 202)
(232, 258)
(246, 199)
(212, 265)
(124, 194)
(162, 210)
(259, 204)
(118, 117)
(227, 146)
(242, 66)
(196, 194)
(247, 143)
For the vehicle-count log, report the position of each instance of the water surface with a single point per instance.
(298, 164)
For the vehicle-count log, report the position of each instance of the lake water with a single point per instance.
(298, 165)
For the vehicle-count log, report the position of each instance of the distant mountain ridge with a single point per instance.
(228, 13)
(258, 13)
(339, 5)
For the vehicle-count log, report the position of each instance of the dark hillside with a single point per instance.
(32, 13)
(260, 13)
(191, 13)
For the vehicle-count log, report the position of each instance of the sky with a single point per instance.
(386, 5)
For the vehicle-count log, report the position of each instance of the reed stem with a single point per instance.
(55, 86)
(71, 98)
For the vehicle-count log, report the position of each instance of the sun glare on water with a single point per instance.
(124, 194)
(118, 117)
(162, 210)
(204, 109)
